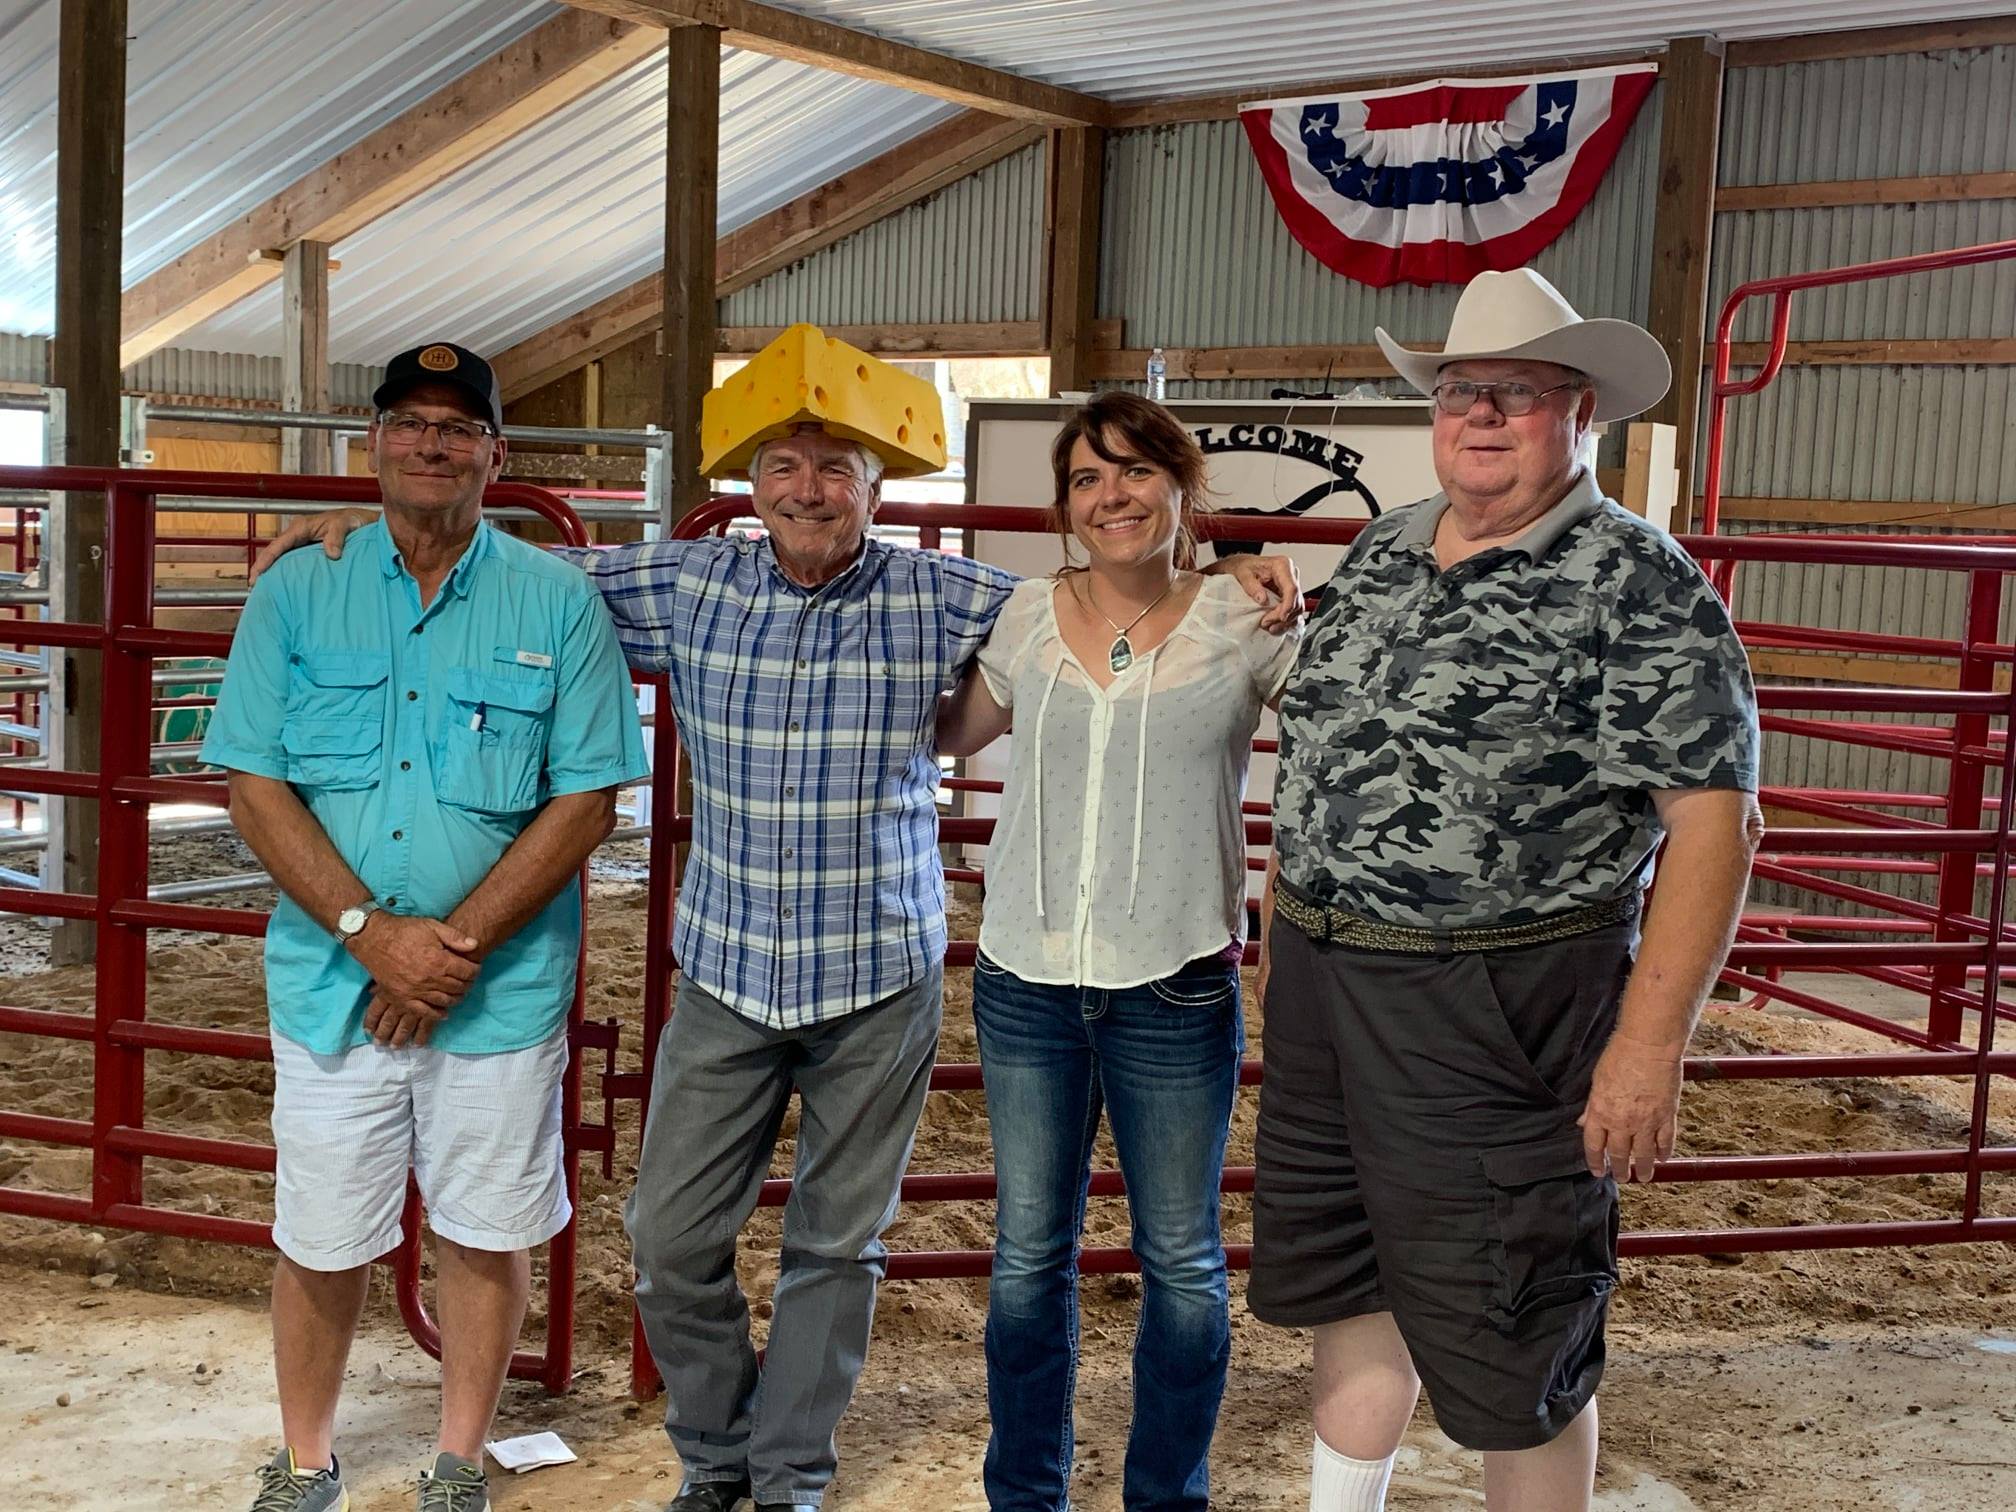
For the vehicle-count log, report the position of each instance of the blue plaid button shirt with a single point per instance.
(813, 887)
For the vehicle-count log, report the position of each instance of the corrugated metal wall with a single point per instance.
(206, 375)
(1196, 255)
(1910, 434)
(972, 253)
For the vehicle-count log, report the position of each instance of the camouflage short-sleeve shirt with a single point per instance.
(1481, 745)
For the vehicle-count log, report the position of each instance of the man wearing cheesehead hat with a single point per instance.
(805, 669)
(1512, 692)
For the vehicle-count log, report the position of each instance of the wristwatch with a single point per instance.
(350, 922)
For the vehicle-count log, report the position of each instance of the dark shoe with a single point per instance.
(710, 1496)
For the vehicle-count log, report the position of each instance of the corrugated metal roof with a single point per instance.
(1130, 49)
(574, 209)
(228, 102)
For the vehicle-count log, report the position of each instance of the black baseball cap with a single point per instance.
(443, 362)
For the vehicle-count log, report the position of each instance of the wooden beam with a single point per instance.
(1341, 361)
(1683, 221)
(692, 173)
(1014, 338)
(1077, 195)
(84, 358)
(1876, 671)
(1869, 42)
(304, 355)
(1967, 351)
(1864, 514)
(538, 74)
(1932, 189)
(581, 338)
(878, 188)
(1185, 109)
(790, 34)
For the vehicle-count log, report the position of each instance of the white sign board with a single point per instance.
(1300, 460)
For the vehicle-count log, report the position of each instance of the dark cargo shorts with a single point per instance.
(1417, 1154)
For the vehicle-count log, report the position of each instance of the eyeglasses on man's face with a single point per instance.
(1459, 396)
(460, 436)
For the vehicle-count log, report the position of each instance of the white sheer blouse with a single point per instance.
(1120, 852)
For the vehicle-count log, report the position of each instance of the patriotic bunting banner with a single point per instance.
(1438, 182)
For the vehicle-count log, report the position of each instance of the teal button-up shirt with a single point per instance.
(424, 742)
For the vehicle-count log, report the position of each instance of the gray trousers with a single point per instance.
(718, 1097)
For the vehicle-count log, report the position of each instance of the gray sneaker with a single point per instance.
(283, 1488)
(454, 1485)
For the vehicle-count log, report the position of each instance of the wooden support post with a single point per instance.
(692, 171)
(304, 355)
(90, 202)
(1690, 85)
(1077, 186)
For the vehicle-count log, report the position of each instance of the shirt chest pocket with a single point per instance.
(494, 734)
(334, 729)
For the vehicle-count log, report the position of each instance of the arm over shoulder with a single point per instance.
(597, 741)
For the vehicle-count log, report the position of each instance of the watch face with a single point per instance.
(350, 921)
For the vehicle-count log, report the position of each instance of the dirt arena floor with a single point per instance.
(133, 1369)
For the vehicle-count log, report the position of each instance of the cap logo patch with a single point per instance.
(439, 359)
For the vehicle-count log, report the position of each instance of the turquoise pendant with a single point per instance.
(1121, 657)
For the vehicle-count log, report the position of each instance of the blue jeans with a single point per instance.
(1164, 1060)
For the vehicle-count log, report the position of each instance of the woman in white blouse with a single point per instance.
(1109, 950)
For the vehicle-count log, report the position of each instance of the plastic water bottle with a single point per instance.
(1158, 375)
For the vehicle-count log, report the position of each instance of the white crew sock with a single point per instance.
(1339, 1483)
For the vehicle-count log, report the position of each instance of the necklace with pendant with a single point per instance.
(1120, 655)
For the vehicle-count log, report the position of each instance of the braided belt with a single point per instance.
(1334, 926)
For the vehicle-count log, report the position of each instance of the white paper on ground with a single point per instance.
(534, 1451)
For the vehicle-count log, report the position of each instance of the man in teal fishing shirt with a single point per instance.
(425, 739)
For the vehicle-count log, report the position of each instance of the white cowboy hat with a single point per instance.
(1519, 315)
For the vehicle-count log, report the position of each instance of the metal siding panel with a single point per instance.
(23, 359)
(1973, 301)
(1896, 115)
(970, 254)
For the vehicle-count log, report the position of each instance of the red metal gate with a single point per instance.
(125, 787)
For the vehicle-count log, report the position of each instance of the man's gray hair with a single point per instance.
(871, 464)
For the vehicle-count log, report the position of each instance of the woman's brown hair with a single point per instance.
(1144, 431)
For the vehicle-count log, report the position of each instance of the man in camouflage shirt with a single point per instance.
(1509, 694)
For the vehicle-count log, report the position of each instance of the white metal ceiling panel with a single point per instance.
(1135, 49)
(227, 102)
(574, 209)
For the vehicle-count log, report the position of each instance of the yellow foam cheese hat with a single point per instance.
(806, 377)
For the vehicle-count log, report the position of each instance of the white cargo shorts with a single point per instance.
(480, 1132)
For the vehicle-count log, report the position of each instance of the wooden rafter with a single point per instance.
(546, 69)
(780, 33)
(1868, 42)
(898, 178)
